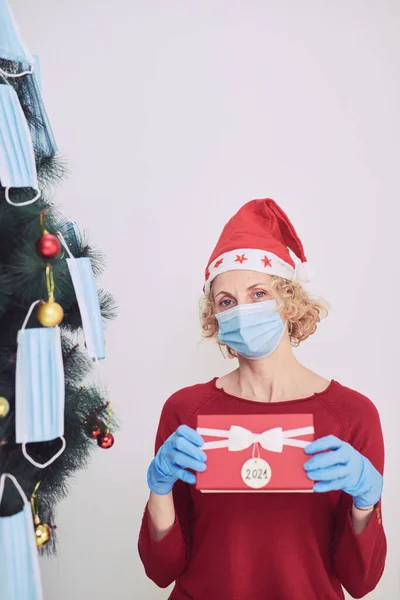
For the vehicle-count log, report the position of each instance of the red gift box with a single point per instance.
(249, 453)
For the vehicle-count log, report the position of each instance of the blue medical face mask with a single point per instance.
(12, 45)
(17, 159)
(39, 389)
(19, 561)
(42, 133)
(88, 300)
(253, 330)
(87, 297)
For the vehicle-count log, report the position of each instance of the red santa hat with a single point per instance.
(258, 238)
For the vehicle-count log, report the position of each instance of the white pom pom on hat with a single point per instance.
(304, 273)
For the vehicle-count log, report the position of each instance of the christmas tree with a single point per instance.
(48, 305)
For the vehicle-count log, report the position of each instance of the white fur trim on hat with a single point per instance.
(249, 259)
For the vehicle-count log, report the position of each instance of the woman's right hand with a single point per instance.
(181, 451)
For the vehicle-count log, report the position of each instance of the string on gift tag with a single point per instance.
(256, 448)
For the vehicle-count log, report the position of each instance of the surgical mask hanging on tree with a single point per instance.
(17, 159)
(42, 134)
(12, 45)
(40, 384)
(88, 300)
(253, 330)
(19, 561)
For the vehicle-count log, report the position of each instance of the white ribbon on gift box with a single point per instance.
(238, 438)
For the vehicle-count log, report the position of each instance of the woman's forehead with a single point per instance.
(242, 279)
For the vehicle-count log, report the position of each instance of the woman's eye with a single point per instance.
(225, 303)
(260, 294)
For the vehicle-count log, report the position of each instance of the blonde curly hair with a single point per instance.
(302, 311)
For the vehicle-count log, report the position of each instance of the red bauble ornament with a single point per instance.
(106, 440)
(95, 427)
(48, 245)
(95, 431)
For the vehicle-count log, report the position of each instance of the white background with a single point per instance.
(172, 115)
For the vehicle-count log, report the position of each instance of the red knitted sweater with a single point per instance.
(281, 546)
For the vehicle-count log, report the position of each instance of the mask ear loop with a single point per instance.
(64, 243)
(28, 316)
(26, 203)
(17, 485)
(5, 74)
(46, 464)
(4, 78)
(64, 443)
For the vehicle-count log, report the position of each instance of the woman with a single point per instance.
(277, 546)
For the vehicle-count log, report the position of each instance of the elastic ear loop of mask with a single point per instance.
(17, 485)
(64, 243)
(26, 203)
(64, 443)
(4, 76)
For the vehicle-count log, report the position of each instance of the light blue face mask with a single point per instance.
(17, 159)
(39, 389)
(36, 61)
(19, 561)
(88, 301)
(253, 330)
(12, 45)
(72, 235)
(42, 133)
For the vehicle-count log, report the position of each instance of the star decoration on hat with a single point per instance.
(266, 261)
(218, 263)
(240, 258)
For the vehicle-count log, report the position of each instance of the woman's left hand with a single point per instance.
(343, 468)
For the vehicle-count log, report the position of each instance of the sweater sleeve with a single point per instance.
(165, 560)
(360, 558)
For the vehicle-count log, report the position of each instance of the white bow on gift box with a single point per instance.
(239, 438)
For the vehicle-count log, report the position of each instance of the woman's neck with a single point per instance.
(278, 377)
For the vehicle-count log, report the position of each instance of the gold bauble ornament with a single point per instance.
(4, 407)
(50, 313)
(42, 533)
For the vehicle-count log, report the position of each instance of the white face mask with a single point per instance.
(40, 388)
(19, 561)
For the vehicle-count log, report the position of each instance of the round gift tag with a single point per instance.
(256, 473)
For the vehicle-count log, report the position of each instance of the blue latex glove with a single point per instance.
(179, 452)
(343, 468)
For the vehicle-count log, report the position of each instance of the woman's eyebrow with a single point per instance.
(225, 293)
(254, 286)
(248, 290)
